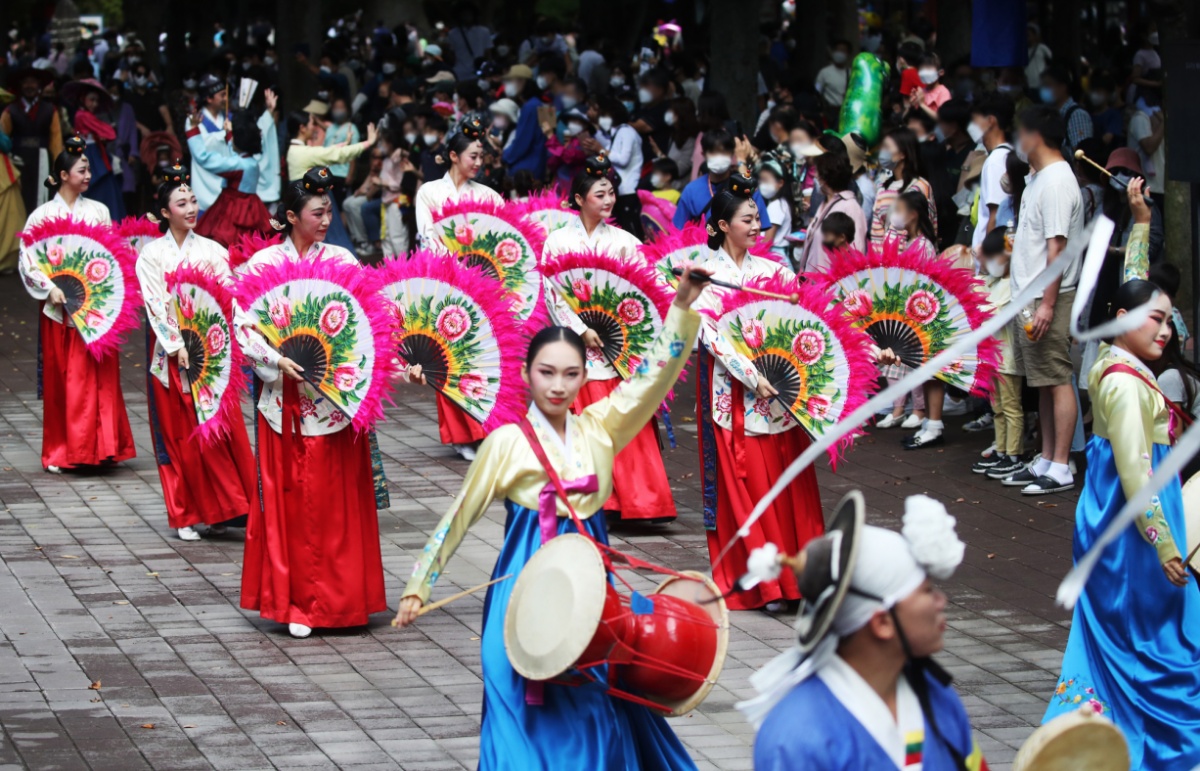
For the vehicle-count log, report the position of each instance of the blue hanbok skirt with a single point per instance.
(575, 727)
(1134, 648)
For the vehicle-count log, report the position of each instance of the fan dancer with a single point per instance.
(465, 151)
(568, 727)
(745, 441)
(84, 422)
(1135, 661)
(207, 484)
(238, 210)
(640, 486)
(315, 562)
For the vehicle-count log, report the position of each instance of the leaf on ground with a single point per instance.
(280, 722)
(94, 686)
(96, 700)
(1048, 505)
(688, 475)
(189, 725)
(120, 602)
(959, 500)
(69, 556)
(992, 556)
(152, 574)
(148, 725)
(37, 548)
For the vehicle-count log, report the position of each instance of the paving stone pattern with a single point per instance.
(122, 647)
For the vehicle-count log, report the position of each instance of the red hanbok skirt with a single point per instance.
(312, 553)
(640, 486)
(208, 483)
(232, 215)
(84, 422)
(455, 426)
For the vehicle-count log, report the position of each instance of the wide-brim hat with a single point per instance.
(827, 565)
(519, 71)
(506, 107)
(575, 114)
(316, 107)
(74, 92)
(1124, 158)
(44, 77)
(441, 76)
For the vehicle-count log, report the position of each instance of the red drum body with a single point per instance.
(565, 616)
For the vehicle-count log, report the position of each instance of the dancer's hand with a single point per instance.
(591, 339)
(765, 390)
(415, 375)
(57, 297)
(407, 613)
(689, 289)
(291, 368)
(181, 357)
(1176, 572)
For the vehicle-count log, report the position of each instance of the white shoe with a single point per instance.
(53, 470)
(990, 451)
(954, 406)
(465, 451)
(890, 421)
(188, 534)
(299, 631)
(912, 421)
(217, 530)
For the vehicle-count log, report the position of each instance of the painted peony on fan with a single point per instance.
(453, 321)
(623, 301)
(137, 232)
(204, 308)
(546, 210)
(94, 268)
(328, 317)
(672, 249)
(492, 237)
(917, 306)
(819, 363)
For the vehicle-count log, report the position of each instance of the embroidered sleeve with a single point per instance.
(37, 283)
(257, 350)
(737, 365)
(561, 312)
(481, 486)
(627, 409)
(1137, 253)
(160, 308)
(1128, 408)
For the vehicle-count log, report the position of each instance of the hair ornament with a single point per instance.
(75, 145)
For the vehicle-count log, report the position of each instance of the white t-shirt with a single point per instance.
(832, 82)
(1051, 207)
(1153, 166)
(1039, 60)
(990, 191)
(780, 215)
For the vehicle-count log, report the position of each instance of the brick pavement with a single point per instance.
(122, 647)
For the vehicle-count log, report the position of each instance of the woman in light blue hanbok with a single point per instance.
(1134, 649)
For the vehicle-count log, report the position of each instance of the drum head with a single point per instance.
(555, 608)
(1191, 518)
(697, 588)
(1076, 740)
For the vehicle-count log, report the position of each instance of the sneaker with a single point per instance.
(299, 631)
(188, 534)
(1046, 485)
(912, 421)
(778, 606)
(53, 470)
(217, 530)
(1005, 468)
(890, 421)
(986, 465)
(921, 440)
(981, 423)
(954, 406)
(1021, 478)
(465, 451)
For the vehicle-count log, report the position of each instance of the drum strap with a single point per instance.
(1180, 419)
(540, 452)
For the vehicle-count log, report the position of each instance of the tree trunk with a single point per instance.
(813, 36)
(1175, 19)
(294, 27)
(954, 31)
(733, 30)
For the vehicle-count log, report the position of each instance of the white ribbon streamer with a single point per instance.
(1088, 276)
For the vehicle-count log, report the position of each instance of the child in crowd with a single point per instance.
(1006, 398)
(837, 231)
(772, 185)
(932, 94)
(664, 173)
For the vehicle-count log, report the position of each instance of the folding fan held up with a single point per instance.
(916, 306)
(94, 267)
(204, 308)
(454, 322)
(821, 365)
(546, 210)
(328, 317)
(492, 237)
(137, 232)
(670, 250)
(623, 301)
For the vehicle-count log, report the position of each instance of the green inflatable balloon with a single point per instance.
(864, 97)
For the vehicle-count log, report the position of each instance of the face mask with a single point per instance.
(511, 89)
(573, 129)
(431, 140)
(1098, 99)
(839, 57)
(616, 81)
(1006, 184)
(798, 149)
(1152, 38)
(657, 181)
(389, 68)
(1046, 95)
(484, 85)
(768, 190)
(886, 161)
(1022, 155)
(606, 122)
(644, 96)
(975, 132)
(340, 116)
(897, 221)
(995, 268)
(719, 164)
(502, 51)
(411, 137)
(928, 77)
(543, 82)
(669, 119)
(189, 84)
(245, 65)
(139, 80)
(568, 102)
(325, 68)
(629, 106)
(269, 61)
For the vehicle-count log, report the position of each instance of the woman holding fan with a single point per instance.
(202, 484)
(312, 556)
(84, 422)
(747, 439)
(640, 486)
(465, 151)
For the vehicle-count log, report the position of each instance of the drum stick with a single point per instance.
(434, 606)
(793, 298)
(1079, 154)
